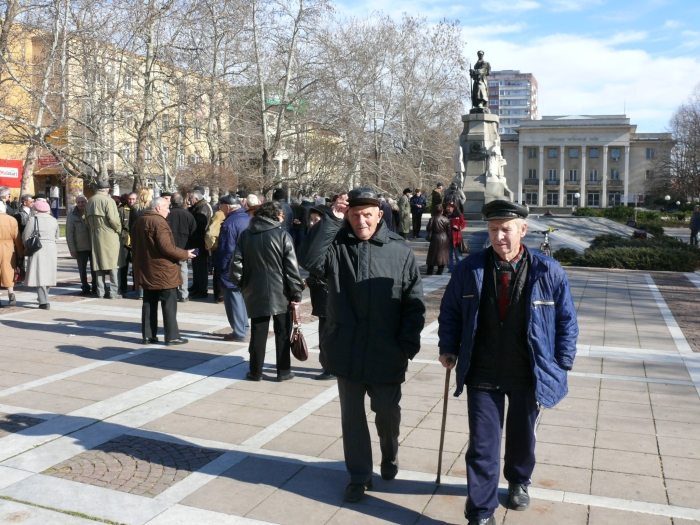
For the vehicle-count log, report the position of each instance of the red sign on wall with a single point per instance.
(11, 173)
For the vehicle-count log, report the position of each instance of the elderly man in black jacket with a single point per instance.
(201, 211)
(375, 315)
(183, 225)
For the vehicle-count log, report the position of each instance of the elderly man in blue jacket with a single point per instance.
(508, 322)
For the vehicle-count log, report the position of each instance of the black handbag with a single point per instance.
(33, 244)
(464, 247)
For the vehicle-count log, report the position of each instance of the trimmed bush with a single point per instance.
(641, 258)
(565, 255)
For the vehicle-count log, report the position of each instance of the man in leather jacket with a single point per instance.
(375, 315)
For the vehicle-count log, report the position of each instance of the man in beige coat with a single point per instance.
(103, 221)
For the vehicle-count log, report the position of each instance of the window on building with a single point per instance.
(493, 102)
(593, 175)
(615, 153)
(614, 174)
(593, 153)
(531, 198)
(127, 152)
(127, 83)
(552, 198)
(166, 93)
(180, 160)
(166, 122)
(553, 153)
(531, 153)
(571, 199)
(195, 158)
(573, 153)
(614, 198)
(573, 175)
(493, 83)
(650, 153)
(648, 174)
(531, 174)
(147, 155)
(552, 174)
(503, 92)
(197, 133)
(594, 198)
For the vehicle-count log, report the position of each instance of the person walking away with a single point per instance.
(102, 219)
(694, 225)
(183, 226)
(127, 200)
(11, 251)
(78, 240)
(318, 289)
(300, 223)
(375, 316)
(202, 213)
(24, 212)
(457, 224)
(236, 222)
(211, 241)
(418, 204)
(436, 198)
(387, 217)
(395, 215)
(456, 195)
(264, 267)
(41, 266)
(404, 204)
(439, 231)
(157, 272)
(509, 321)
(143, 204)
(278, 196)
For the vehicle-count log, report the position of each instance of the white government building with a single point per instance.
(600, 157)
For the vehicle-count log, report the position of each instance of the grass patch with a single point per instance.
(69, 512)
(62, 230)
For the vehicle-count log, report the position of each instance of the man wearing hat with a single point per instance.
(436, 198)
(278, 196)
(236, 222)
(374, 317)
(695, 225)
(102, 217)
(508, 321)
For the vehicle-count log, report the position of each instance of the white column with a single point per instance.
(562, 196)
(519, 196)
(583, 201)
(540, 190)
(627, 172)
(604, 192)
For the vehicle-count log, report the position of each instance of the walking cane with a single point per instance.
(444, 421)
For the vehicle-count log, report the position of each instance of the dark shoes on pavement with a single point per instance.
(180, 341)
(325, 376)
(518, 498)
(13, 300)
(251, 377)
(150, 340)
(45, 306)
(354, 492)
(285, 376)
(389, 470)
(485, 521)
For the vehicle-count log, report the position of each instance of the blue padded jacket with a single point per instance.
(551, 322)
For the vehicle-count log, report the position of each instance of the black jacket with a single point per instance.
(288, 215)
(202, 216)
(375, 310)
(388, 218)
(182, 224)
(301, 214)
(264, 266)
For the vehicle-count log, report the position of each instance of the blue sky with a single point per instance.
(589, 56)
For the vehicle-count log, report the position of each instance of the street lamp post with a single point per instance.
(667, 198)
(573, 205)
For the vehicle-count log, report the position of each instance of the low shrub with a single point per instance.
(565, 255)
(588, 212)
(649, 258)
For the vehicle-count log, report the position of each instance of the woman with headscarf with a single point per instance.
(11, 250)
(143, 204)
(41, 266)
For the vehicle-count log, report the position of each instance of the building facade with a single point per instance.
(513, 97)
(600, 157)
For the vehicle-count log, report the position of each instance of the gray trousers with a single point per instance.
(357, 445)
(236, 312)
(113, 281)
(182, 292)
(43, 293)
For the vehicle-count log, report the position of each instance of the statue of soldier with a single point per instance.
(480, 88)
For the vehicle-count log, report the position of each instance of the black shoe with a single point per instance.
(150, 341)
(199, 295)
(251, 377)
(285, 376)
(45, 306)
(325, 376)
(180, 341)
(354, 492)
(13, 300)
(389, 470)
(518, 498)
(86, 292)
(485, 521)
(182, 300)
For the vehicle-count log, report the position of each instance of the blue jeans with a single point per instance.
(453, 251)
(236, 312)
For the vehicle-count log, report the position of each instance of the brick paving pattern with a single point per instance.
(11, 423)
(144, 467)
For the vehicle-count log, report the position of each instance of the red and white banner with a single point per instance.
(11, 173)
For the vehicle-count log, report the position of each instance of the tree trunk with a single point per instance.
(29, 166)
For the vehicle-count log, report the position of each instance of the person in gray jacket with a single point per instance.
(694, 225)
(78, 240)
(375, 315)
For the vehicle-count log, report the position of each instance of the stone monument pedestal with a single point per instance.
(482, 178)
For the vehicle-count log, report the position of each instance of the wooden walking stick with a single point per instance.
(444, 421)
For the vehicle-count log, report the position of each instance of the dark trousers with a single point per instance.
(486, 410)
(430, 270)
(416, 223)
(124, 274)
(149, 313)
(357, 445)
(83, 258)
(200, 273)
(297, 237)
(259, 327)
(216, 286)
(693, 237)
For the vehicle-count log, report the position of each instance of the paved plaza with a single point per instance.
(94, 425)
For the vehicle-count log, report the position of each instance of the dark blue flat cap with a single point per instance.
(501, 210)
(362, 197)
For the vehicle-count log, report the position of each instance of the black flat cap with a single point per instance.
(103, 184)
(39, 196)
(242, 194)
(501, 210)
(439, 185)
(229, 199)
(200, 189)
(362, 197)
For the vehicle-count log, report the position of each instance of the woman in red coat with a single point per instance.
(457, 224)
